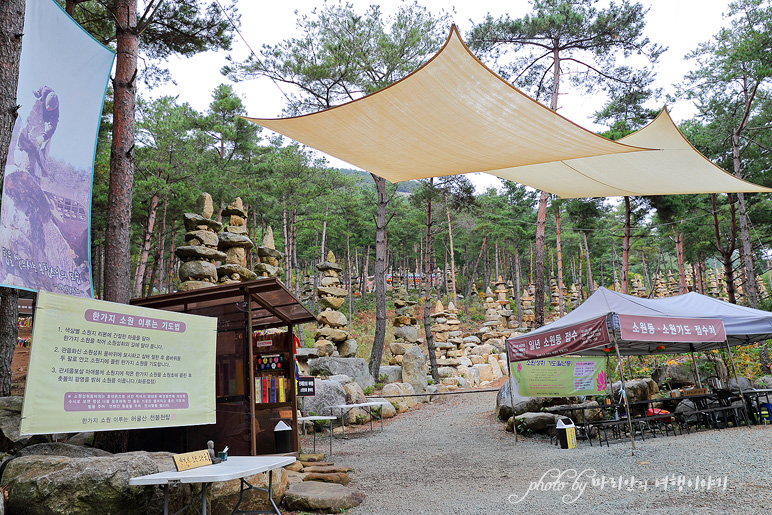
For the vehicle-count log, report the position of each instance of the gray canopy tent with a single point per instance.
(610, 321)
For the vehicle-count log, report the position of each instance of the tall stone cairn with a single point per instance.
(270, 258)
(441, 331)
(236, 245)
(199, 254)
(526, 306)
(331, 334)
(406, 327)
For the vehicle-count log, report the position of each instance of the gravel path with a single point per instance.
(451, 457)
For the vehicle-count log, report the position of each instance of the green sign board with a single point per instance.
(560, 376)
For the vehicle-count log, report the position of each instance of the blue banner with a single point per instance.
(45, 215)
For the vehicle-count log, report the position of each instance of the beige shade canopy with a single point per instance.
(453, 115)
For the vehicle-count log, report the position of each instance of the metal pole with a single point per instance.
(622, 388)
(694, 362)
(511, 394)
(739, 387)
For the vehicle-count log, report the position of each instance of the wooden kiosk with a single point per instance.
(255, 370)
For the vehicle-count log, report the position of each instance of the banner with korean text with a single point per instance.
(46, 203)
(566, 340)
(99, 366)
(671, 329)
(560, 377)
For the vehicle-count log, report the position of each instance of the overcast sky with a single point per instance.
(679, 25)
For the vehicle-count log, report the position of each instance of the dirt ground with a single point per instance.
(19, 370)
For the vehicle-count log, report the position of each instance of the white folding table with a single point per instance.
(319, 418)
(235, 467)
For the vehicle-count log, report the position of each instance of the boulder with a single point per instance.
(400, 403)
(194, 285)
(199, 252)
(328, 393)
(473, 340)
(388, 409)
(745, 384)
(323, 348)
(245, 274)
(445, 372)
(536, 422)
(225, 494)
(61, 449)
(495, 368)
(390, 374)
(354, 393)
(193, 222)
(94, 485)
(764, 382)
(483, 349)
(331, 302)
(486, 372)
(414, 369)
(229, 240)
(347, 348)
(504, 405)
(356, 368)
(408, 333)
(332, 318)
(324, 497)
(10, 421)
(207, 238)
(341, 378)
(328, 477)
(197, 270)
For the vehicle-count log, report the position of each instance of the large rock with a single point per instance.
(536, 422)
(328, 393)
(356, 368)
(198, 252)
(388, 408)
(193, 222)
(207, 238)
(504, 405)
(332, 318)
(354, 393)
(10, 421)
(390, 374)
(414, 369)
(347, 348)
(483, 349)
(197, 271)
(400, 403)
(408, 333)
(244, 274)
(745, 383)
(324, 497)
(58, 485)
(486, 372)
(61, 449)
(225, 494)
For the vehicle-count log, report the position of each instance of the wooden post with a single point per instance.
(622, 389)
(739, 387)
(252, 399)
(511, 393)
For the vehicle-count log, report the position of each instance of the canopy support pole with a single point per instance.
(511, 395)
(622, 389)
(739, 386)
(694, 362)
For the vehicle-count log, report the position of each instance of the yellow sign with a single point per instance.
(571, 437)
(192, 460)
(100, 366)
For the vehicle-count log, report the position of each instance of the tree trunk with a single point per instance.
(682, 288)
(518, 285)
(162, 247)
(726, 251)
(11, 31)
(427, 293)
(590, 282)
(117, 238)
(626, 250)
(751, 292)
(452, 253)
(541, 218)
(561, 301)
(144, 252)
(380, 277)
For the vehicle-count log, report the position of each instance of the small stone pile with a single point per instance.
(307, 288)
(270, 258)
(200, 253)
(235, 243)
(331, 334)
(441, 331)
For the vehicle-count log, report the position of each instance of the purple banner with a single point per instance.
(671, 329)
(111, 401)
(566, 340)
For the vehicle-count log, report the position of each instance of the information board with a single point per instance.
(560, 377)
(99, 366)
(306, 386)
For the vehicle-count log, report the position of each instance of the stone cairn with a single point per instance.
(331, 334)
(526, 306)
(200, 253)
(448, 341)
(270, 258)
(307, 289)
(406, 327)
(235, 243)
